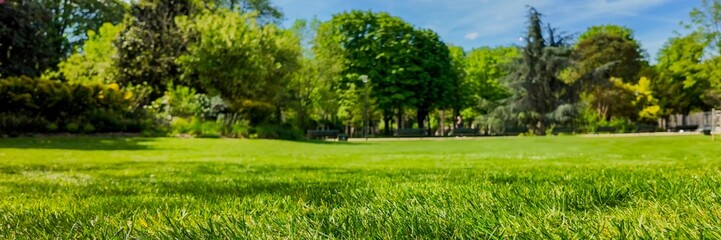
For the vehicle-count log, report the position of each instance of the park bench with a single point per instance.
(411, 132)
(646, 128)
(564, 130)
(323, 134)
(685, 128)
(605, 130)
(514, 131)
(460, 132)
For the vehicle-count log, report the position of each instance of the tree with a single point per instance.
(74, 18)
(539, 98)
(150, 43)
(613, 49)
(266, 11)
(95, 63)
(311, 90)
(461, 94)
(706, 21)
(681, 82)
(247, 64)
(431, 69)
(486, 69)
(387, 49)
(29, 41)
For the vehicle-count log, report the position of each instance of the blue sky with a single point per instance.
(476, 23)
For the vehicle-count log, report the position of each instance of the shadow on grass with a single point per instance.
(325, 142)
(76, 143)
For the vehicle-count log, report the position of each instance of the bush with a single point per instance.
(39, 105)
(274, 131)
(209, 129)
(88, 128)
(72, 127)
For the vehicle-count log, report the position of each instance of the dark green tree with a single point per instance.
(614, 50)
(540, 98)
(150, 43)
(407, 68)
(74, 18)
(29, 40)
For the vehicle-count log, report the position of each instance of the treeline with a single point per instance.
(225, 68)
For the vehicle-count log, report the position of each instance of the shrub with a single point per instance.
(87, 128)
(39, 105)
(72, 127)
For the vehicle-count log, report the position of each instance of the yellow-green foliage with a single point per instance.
(94, 62)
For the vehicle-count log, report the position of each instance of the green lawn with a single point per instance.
(533, 187)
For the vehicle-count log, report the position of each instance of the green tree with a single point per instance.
(486, 69)
(681, 82)
(29, 42)
(539, 97)
(460, 96)
(706, 21)
(95, 63)
(431, 69)
(388, 50)
(249, 65)
(150, 43)
(74, 18)
(265, 9)
(613, 50)
(311, 93)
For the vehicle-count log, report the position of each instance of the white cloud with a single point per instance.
(471, 36)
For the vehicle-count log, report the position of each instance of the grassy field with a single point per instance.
(543, 187)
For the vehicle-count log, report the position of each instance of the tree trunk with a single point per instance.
(442, 123)
(421, 114)
(387, 123)
(401, 123)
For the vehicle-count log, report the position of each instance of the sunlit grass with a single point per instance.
(545, 187)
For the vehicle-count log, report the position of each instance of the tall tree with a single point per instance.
(29, 40)
(681, 82)
(74, 18)
(265, 9)
(486, 69)
(150, 43)
(461, 94)
(432, 72)
(387, 50)
(540, 99)
(706, 21)
(613, 49)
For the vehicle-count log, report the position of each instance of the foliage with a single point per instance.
(706, 21)
(605, 58)
(265, 9)
(406, 67)
(150, 43)
(540, 98)
(485, 72)
(681, 82)
(95, 63)
(36, 105)
(29, 42)
(246, 64)
(74, 18)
